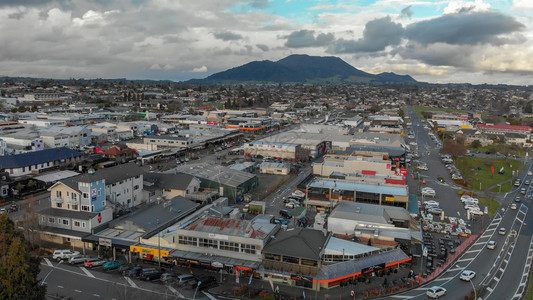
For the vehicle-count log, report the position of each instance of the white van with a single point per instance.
(64, 254)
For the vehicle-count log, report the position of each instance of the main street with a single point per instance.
(501, 273)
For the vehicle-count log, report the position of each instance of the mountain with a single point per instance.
(303, 69)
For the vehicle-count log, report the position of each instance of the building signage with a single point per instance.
(374, 268)
(104, 242)
(390, 199)
(218, 236)
(93, 198)
(301, 277)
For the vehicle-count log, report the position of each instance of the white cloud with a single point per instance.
(155, 67)
(201, 69)
(522, 5)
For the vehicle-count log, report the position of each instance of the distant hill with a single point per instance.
(302, 69)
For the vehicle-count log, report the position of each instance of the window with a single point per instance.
(58, 194)
(74, 206)
(272, 257)
(229, 246)
(59, 205)
(73, 196)
(208, 243)
(250, 249)
(187, 240)
(77, 224)
(113, 184)
(85, 208)
(99, 192)
(82, 224)
(103, 203)
(136, 187)
(43, 219)
(291, 260)
(85, 195)
(51, 220)
(136, 177)
(68, 193)
(65, 222)
(129, 201)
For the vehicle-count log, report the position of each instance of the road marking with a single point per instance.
(465, 259)
(454, 269)
(47, 261)
(77, 291)
(445, 278)
(398, 296)
(209, 296)
(60, 286)
(472, 251)
(131, 282)
(489, 289)
(96, 295)
(173, 290)
(87, 272)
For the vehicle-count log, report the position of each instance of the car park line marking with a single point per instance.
(47, 261)
(465, 259)
(445, 278)
(401, 296)
(489, 289)
(77, 291)
(173, 290)
(131, 282)
(87, 272)
(96, 295)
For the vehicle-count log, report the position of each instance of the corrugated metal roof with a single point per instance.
(37, 157)
(338, 246)
(359, 187)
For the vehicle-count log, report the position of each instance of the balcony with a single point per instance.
(56, 199)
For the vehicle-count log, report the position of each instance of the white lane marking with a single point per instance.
(131, 282)
(398, 296)
(87, 272)
(47, 261)
(173, 290)
(445, 278)
(489, 289)
(60, 286)
(465, 259)
(77, 291)
(96, 295)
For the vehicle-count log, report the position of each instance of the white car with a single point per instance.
(529, 173)
(491, 245)
(64, 254)
(423, 167)
(514, 206)
(475, 212)
(467, 275)
(436, 292)
(431, 202)
(470, 199)
(502, 231)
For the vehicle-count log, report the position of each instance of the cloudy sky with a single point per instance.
(481, 41)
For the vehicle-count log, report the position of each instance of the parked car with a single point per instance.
(64, 254)
(184, 279)
(112, 265)
(467, 275)
(514, 206)
(76, 259)
(168, 277)
(517, 199)
(491, 245)
(435, 211)
(134, 272)
(522, 191)
(94, 262)
(150, 274)
(285, 213)
(529, 173)
(502, 231)
(431, 202)
(281, 221)
(436, 292)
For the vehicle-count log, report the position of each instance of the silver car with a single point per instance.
(76, 259)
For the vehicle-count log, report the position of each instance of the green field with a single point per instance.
(420, 109)
(491, 203)
(477, 171)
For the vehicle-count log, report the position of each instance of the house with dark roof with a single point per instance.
(38, 161)
(121, 186)
(169, 185)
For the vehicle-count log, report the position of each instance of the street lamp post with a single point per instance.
(159, 246)
(474, 288)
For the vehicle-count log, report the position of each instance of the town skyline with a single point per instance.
(433, 41)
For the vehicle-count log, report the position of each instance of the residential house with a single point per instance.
(32, 162)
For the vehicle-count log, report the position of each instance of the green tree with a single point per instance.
(18, 269)
(476, 144)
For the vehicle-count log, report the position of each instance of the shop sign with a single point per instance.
(301, 277)
(389, 199)
(374, 268)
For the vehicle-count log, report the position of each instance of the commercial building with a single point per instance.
(38, 161)
(232, 184)
(168, 141)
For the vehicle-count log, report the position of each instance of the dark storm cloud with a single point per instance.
(16, 16)
(407, 12)
(378, 34)
(227, 36)
(439, 54)
(306, 38)
(463, 29)
(263, 47)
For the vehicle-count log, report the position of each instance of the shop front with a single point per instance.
(151, 254)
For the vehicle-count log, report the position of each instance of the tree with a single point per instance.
(18, 269)
(476, 144)
(452, 148)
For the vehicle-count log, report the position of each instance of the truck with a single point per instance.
(256, 207)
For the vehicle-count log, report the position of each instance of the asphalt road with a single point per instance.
(500, 273)
(77, 282)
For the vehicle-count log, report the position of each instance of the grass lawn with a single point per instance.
(501, 148)
(478, 170)
(420, 109)
(491, 203)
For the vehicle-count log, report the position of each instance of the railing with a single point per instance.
(56, 199)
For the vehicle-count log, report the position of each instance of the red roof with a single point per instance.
(116, 151)
(506, 127)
